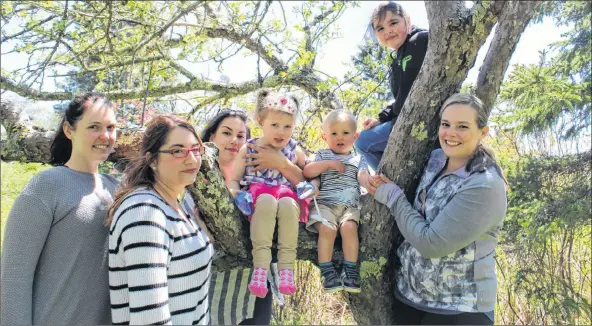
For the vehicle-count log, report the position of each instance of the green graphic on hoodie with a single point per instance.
(404, 63)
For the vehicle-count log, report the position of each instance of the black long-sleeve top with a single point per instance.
(404, 70)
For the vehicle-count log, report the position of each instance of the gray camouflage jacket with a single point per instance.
(450, 235)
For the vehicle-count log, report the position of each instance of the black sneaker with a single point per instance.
(351, 280)
(331, 282)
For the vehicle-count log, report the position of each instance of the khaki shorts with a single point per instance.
(336, 214)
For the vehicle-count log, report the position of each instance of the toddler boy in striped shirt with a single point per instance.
(341, 172)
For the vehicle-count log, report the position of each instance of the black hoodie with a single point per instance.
(404, 70)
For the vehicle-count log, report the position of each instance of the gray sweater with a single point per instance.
(55, 251)
(451, 231)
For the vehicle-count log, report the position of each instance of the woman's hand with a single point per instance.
(387, 194)
(265, 158)
(374, 181)
(370, 123)
(383, 179)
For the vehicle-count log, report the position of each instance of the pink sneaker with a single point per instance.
(287, 286)
(258, 284)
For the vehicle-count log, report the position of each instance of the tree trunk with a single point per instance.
(456, 35)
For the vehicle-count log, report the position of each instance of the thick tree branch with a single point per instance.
(136, 93)
(24, 142)
(513, 20)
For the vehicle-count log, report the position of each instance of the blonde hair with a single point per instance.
(340, 115)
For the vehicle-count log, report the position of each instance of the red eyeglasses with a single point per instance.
(184, 152)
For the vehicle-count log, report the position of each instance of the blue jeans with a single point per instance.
(372, 143)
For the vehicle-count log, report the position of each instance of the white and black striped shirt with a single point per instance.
(159, 263)
(340, 189)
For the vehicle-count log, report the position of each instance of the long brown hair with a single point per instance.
(139, 173)
(483, 156)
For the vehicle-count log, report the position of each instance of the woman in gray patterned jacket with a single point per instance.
(447, 273)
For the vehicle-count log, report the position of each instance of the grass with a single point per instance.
(14, 177)
(310, 305)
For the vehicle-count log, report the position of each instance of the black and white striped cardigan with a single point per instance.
(159, 263)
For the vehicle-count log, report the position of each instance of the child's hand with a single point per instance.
(365, 182)
(337, 165)
(369, 123)
(316, 192)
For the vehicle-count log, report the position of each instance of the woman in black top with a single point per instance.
(392, 26)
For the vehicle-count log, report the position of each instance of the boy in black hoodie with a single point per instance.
(392, 26)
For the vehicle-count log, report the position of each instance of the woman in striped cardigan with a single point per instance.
(159, 252)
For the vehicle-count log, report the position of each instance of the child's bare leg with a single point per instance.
(326, 241)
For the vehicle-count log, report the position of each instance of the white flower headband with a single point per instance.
(280, 102)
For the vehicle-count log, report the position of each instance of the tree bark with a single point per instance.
(24, 142)
(456, 34)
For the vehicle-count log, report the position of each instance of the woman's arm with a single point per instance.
(472, 211)
(25, 234)
(269, 158)
(239, 170)
(146, 244)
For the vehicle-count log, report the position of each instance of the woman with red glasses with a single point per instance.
(159, 252)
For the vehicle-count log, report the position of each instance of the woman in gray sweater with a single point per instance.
(54, 255)
(447, 273)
